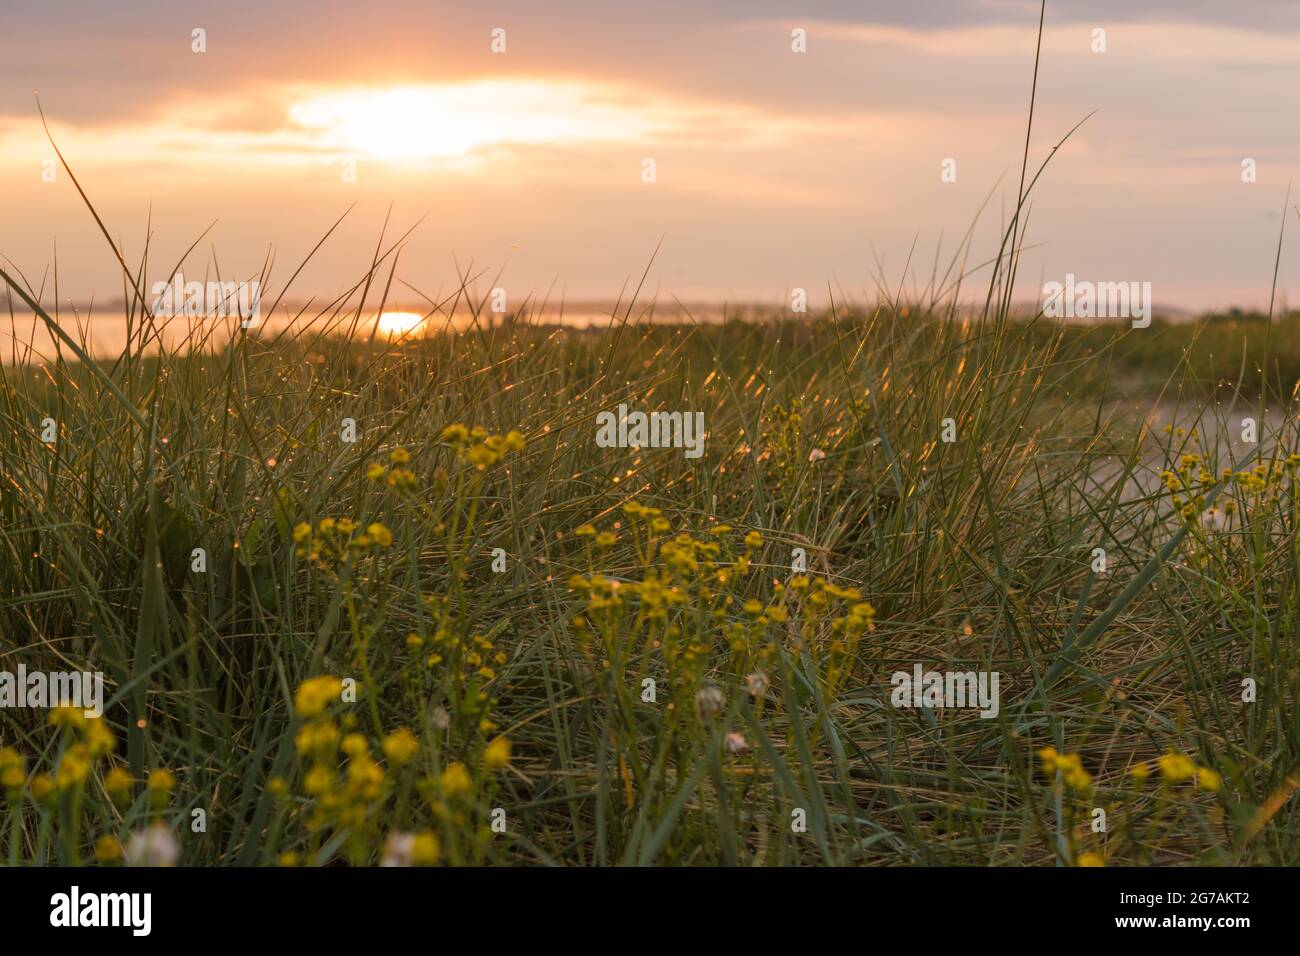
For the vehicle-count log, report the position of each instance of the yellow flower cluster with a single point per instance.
(13, 773)
(1188, 485)
(683, 572)
(88, 742)
(480, 449)
(92, 740)
(315, 695)
(1176, 767)
(449, 652)
(1262, 477)
(334, 540)
(160, 785)
(1069, 766)
(395, 474)
(346, 784)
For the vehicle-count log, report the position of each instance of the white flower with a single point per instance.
(1214, 520)
(399, 850)
(153, 846)
(735, 743)
(756, 684)
(708, 701)
(816, 455)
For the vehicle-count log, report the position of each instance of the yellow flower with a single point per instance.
(160, 784)
(65, 716)
(346, 525)
(315, 694)
(1068, 765)
(318, 780)
(317, 739)
(374, 471)
(586, 531)
(481, 456)
(753, 539)
(402, 478)
(355, 745)
(606, 539)
(380, 535)
(497, 754)
(1141, 771)
(108, 849)
(118, 784)
(455, 781)
(301, 532)
(1209, 779)
(42, 787)
(13, 769)
(1090, 859)
(400, 747)
(1078, 779)
(99, 738)
(455, 434)
(1176, 767)
(399, 456)
(424, 849)
(73, 769)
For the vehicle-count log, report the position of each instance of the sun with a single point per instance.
(398, 323)
(453, 120)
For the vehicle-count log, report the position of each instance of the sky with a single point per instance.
(526, 168)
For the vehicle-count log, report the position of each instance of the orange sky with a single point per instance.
(773, 169)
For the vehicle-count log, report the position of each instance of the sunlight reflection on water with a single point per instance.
(26, 339)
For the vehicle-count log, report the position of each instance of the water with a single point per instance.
(26, 339)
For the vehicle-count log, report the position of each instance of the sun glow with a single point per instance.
(399, 323)
(443, 122)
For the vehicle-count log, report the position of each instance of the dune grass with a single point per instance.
(524, 688)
